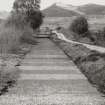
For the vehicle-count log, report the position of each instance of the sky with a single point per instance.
(6, 5)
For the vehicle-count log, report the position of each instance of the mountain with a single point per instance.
(58, 11)
(92, 9)
(4, 14)
(64, 10)
(70, 8)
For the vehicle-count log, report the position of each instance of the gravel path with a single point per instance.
(49, 77)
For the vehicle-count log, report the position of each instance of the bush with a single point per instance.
(17, 20)
(9, 39)
(15, 32)
(27, 37)
(99, 37)
(79, 25)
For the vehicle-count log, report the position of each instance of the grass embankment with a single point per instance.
(15, 42)
(91, 63)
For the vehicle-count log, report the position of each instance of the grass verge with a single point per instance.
(90, 63)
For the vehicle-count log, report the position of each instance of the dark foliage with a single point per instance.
(99, 37)
(79, 25)
(35, 18)
(30, 11)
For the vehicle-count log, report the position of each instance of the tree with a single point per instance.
(26, 5)
(35, 18)
(79, 25)
(31, 10)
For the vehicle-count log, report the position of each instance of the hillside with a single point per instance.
(58, 11)
(64, 10)
(92, 9)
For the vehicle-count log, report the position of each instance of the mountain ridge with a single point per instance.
(70, 10)
(57, 11)
(92, 9)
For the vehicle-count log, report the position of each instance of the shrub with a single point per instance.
(79, 25)
(9, 39)
(17, 31)
(99, 37)
(101, 34)
(27, 36)
(17, 20)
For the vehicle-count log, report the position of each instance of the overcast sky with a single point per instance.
(7, 4)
